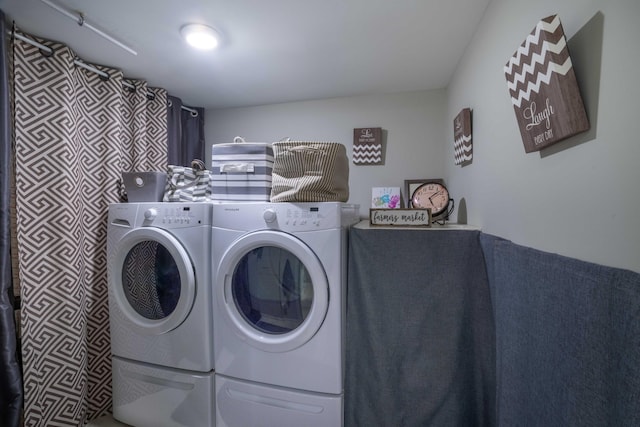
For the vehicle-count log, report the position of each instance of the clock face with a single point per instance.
(431, 195)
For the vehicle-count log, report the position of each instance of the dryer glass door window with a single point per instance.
(272, 289)
(151, 280)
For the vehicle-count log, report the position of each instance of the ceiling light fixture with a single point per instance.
(200, 36)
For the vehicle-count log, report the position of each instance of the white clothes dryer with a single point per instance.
(279, 317)
(160, 312)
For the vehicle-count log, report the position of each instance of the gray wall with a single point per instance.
(579, 198)
(411, 123)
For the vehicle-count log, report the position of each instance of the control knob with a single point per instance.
(269, 215)
(150, 214)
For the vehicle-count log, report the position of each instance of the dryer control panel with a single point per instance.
(314, 216)
(291, 217)
(295, 218)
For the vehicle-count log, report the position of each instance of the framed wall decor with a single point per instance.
(367, 146)
(462, 143)
(543, 88)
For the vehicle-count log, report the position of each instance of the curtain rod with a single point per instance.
(84, 65)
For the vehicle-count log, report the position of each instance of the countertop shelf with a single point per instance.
(365, 225)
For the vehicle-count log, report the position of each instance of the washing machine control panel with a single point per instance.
(176, 215)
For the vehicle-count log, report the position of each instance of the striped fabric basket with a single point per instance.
(310, 171)
(241, 171)
(187, 184)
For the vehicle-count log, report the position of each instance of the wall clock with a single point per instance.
(430, 194)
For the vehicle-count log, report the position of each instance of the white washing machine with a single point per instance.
(279, 312)
(160, 311)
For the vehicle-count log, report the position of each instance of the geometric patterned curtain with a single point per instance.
(75, 132)
(144, 134)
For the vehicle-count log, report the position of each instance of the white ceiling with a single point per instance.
(273, 50)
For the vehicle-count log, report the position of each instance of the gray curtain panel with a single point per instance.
(74, 135)
(11, 394)
(567, 338)
(174, 131)
(193, 135)
(420, 337)
(186, 134)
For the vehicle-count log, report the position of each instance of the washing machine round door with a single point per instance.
(274, 291)
(152, 280)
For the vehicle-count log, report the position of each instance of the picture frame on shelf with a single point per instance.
(386, 198)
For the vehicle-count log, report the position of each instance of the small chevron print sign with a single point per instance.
(543, 88)
(462, 144)
(367, 146)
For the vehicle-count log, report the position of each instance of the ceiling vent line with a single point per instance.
(82, 21)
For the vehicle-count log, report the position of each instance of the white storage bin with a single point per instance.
(241, 171)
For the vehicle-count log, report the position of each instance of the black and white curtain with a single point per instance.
(74, 134)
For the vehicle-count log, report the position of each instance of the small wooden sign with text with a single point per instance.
(367, 146)
(400, 217)
(543, 88)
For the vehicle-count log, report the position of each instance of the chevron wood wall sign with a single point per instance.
(462, 143)
(367, 146)
(543, 88)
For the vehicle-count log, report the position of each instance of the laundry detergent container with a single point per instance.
(241, 171)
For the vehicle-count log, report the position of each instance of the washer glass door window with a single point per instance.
(154, 280)
(151, 280)
(275, 292)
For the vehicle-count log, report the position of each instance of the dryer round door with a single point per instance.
(273, 290)
(152, 280)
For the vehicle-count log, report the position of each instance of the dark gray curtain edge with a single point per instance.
(185, 131)
(174, 131)
(11, 391)
(193, 136)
